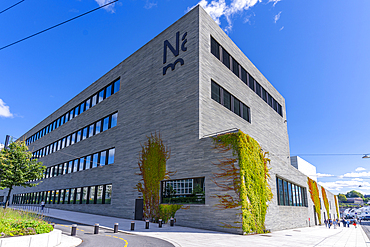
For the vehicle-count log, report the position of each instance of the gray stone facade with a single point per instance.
(179, 106)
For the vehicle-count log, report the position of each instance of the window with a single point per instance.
(215, 92)
(105, 123)
(97, 127)
(101, 96)
(73, 138)
(78, 195)
(77, 111)
(71, 114)
(91, 130)
(87, 104)
(93, 100)
(109, 91)
(82, 163)
(84, 199)
(114, 120)
(95, 160)
(226, 58)
(116, 86)
(99, 194)
(70, 167)
(237, 107)
(290, 194)
(88, 162)
(78, 136)
(65, 168)
(63, 143)
(246, 113)
(75, 165)
(82, 107)
(215, 48)
(61, 197)
(251, 82)
(103, 156)
(235, 67)
(60, 170)
(72, 196)
(66, 196)
(227, 99)
(108, 194)
(84, 133)
(111, 156)
(183, 191)
(92, 195)
(68, 140)
(258, 89)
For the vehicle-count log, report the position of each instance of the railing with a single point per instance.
(31, 208)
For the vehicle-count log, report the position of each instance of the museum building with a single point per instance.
(190, 83)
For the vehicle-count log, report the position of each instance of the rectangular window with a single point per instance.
(97, 127)
(225, 58)
(55, 171)
(215, 48)
(92, 195)
(116, 86)
(61, 197)
(84, 133)
(84, 195)
(75, 165)
(70, 167)
(93, 100)
(91, 130)
(105, 123)
(290, 194)
(63, 143)
(101, 96)
(82, 164)
(235, 67)
(99, 194)
(78, 195)
(279, 109)
(111, 156)
(77, 111)
(60, 170)
(103, 157)
(237, 107)
(108, 194)
(246, 113)
(82, 107)
(65, 168)
(71, 114)
(286, 198)
(281, 192)
(73, 138)
(114, 120)
(68, 141)
(66, 117)
(87, 104)
(78, 136)
(264, 94)
(215, 92)
(56, 197)
(269, 99)
(108, 91)
(258, 89)
(251, 82)
(227, 99)
(66, 196)
(72, 196)
(52, 197)
(95, 160)
(88, 162)
(59, 146)
(61, 120)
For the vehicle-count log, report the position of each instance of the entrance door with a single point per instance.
(139, 207)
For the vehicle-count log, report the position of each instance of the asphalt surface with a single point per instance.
(106, 238)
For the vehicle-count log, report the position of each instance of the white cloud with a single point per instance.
(109, 8)
(4, 110)
(351, 184)
(218, 8)
(322, 175)
(277, 17)
(357, 179)
(355, 175)
(150, 5)
(358, 169)
(274, 1)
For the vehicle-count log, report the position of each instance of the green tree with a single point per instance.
(17, 168)
(354, 193)
(342, 197)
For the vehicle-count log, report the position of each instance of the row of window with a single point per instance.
(219, 52)
(229, 101)
(188, 191)
(84, 106)
(102, 158)
(97, 194)
(86, 132)
(290, 194)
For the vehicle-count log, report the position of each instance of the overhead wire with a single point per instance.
(11, 7)
(57, 25)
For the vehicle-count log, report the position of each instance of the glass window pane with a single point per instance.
(66, 196)
(84, 195)
(225, 58)
(75, 165)
(88, 162)
(82, 107)
(99, 195)
(78, 136)
(82, 163)
(91, 130)
(237, 106)
(68, 141)
(87, 104)
(65, 168)
(108, 194)
(235, 67)
(290, 194)
(246, 113)
(215, 92)
(62, 120)
(70, 167)
(72, 197)
(77, 111)
(63, 142)
(71, 115)
(251, 82)
(116, 86)
(78, 195)
(66, 117)
(93, 100)
(95, 160)
(84, 133)
(105, 123)
(61, 200)
(101, 96)
(114, 120)
(111, 156)
(103, 156)
(60, 170)
(59, 145)
(109, 91)
(286, 194)
(97, 127)
(92, 195)
(227, 100)
(73, 138)
(215, 48)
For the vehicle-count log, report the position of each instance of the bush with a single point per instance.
(166, 211)
(18, 223)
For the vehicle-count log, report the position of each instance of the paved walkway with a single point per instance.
(185, 236)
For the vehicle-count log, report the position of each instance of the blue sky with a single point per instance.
(315, 53)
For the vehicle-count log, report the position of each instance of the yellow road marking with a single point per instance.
(115, 236)
(126, 243)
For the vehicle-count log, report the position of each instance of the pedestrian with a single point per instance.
(42, 205)
(355, 224)
(348, 223)
(335, 224)
(326, 223)
(329, 223)
(338, 221)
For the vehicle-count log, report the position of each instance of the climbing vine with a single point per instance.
(336, 205)
(152, 164)
(246, 177)
(314, 191)
(325, 198)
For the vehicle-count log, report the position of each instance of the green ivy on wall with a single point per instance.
(152, 165)
(325, 198)
(314, 192)
(247, 175)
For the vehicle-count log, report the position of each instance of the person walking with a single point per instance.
(355, 224)
(329, 223)
(42, 205)
(335, 223)
(326, 223)
(338, 221)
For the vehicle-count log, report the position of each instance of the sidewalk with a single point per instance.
(190, 237)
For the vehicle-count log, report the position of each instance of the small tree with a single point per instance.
(342, 197)
(17, 168)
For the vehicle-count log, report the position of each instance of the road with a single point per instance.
(107, 238)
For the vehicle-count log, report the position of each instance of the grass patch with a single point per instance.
(20, 223)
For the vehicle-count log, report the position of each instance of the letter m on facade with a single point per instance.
(174, 51)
